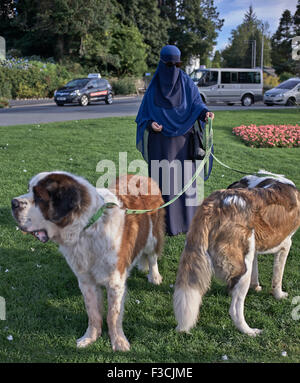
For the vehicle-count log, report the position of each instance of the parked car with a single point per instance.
(83, 91)
(229, 85)
(286, 93)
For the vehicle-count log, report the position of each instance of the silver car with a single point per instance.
(287, 93)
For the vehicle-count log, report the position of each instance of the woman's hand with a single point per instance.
(209, 115)
(156, 127)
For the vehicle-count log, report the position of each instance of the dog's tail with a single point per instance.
(193, 276)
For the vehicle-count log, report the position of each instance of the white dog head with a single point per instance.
(54, 201)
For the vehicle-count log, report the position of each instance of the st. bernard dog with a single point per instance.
(253, 216)
(59, 205)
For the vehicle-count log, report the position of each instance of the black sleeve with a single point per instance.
(203, 114)
(149, 123)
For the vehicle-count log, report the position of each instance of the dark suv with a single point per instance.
(83, 91)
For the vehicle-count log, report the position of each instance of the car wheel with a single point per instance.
(230, 103)
(290, 102)
(109, 99)
(60, 104)
(84, 100)
(247, 100)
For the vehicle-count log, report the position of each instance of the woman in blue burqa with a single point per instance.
(169, 110)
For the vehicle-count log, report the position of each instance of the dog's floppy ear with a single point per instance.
(41, 193)
(64, 198)
(57, 195)
(243, 183)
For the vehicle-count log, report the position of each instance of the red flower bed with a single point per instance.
(268, 136)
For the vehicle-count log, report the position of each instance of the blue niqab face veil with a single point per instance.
(168, 89)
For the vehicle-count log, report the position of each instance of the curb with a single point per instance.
(49, 101)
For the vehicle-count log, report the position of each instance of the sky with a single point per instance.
(232, 11)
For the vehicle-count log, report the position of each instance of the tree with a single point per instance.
(90, 31)
(7, 10)
(59, 27)
(217, 60)
(7, 14)
(250, 17)
(238, 54)
(146, 16)
(130, 49)
(296, 20)
(281, 44)
(193, 26)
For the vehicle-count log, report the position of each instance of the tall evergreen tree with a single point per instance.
(296, 20)
(146, 16)
(281, 44)
(194, 26)
(217, 60)
(238, 54)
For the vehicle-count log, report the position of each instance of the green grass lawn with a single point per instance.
(45, 309)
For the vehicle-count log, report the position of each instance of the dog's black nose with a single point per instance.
(15, 203)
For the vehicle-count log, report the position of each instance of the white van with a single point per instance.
(229, 85)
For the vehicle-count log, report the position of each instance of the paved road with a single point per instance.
(49, 112)
(37, 112)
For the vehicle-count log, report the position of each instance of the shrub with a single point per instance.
(31, 78)
(268, 136)
(3, 102)
(5, 86)
(124, 85)
(285, 76)
(270, 81)
(34, 78)
(130, 50)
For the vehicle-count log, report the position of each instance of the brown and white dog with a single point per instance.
(254, 216)
(59, 205)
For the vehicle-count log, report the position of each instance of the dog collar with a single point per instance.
(99, 213)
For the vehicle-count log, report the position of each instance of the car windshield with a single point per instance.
(289, 84)
(197, 74)
(79, 83)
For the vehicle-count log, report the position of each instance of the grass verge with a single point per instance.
(44, 308)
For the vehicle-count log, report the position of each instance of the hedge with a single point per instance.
(34, 78)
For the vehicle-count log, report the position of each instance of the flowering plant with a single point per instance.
(268, 136)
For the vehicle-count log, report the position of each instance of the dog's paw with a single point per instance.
(120, 344)
(279, 294)
(256, 288)
(155, 279)
(254, 332)
(85, 341)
